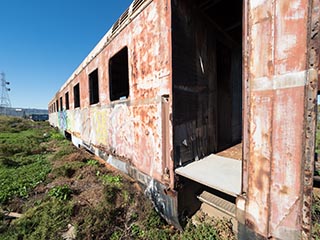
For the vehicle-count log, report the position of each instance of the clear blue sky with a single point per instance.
(43, 41)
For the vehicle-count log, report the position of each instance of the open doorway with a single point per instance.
(207, 79)
(207, 103)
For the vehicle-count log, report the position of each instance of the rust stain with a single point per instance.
(284, 190)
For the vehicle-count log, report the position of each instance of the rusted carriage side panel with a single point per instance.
(278, 74)
(130, 129)
(133, 134)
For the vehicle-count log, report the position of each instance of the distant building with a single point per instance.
(26, 112)
(39, 117)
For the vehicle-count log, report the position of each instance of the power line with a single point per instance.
(5, 102)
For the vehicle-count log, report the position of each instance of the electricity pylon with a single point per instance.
(5, 100)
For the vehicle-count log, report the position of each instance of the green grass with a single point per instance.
(57, 136)
(23, 161)
(25, 143)
(19, 180)
(45, 221)
(29, 151)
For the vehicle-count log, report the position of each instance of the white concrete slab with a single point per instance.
(221, 173)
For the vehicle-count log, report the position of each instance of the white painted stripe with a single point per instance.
(288, 80)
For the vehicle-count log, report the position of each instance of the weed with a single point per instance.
(208, 228)
(154, 226)
(111, 180)
(136, 231)
(92, 162)
(57, 136)
(134, 216)
(203, 231)
(116, 235)
(61, 192)
(153, 220)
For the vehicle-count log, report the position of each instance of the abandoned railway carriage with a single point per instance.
(209, 104)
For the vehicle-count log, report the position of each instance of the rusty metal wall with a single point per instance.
(281, 107)
(130, 129)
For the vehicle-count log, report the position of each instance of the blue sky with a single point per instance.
(43, 41)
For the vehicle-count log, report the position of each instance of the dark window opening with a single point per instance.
(94, 87)
(67, 100)
(119, 75)
(76, 95)
(57, 105)
(61, 104)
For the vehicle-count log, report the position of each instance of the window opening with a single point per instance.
(57, 105)
(119, 75)
(76, 95)
(61, 104)
(67, 100)
(94, 87)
